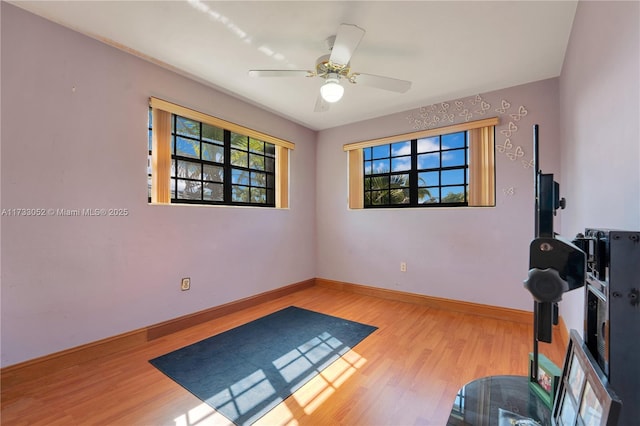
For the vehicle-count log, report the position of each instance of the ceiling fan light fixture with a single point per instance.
(336, 66)
(331, 91)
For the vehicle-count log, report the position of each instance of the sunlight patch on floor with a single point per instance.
(317, 390)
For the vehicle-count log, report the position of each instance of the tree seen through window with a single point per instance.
(430, 171)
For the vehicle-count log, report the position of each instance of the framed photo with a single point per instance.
(546, 382)
(575, 379)
(590, 407)
(584, 397)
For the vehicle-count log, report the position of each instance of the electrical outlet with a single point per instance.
(185, 284)
(403, 266)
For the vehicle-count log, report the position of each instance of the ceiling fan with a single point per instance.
(335, 68)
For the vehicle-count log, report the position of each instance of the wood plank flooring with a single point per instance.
(406, 373)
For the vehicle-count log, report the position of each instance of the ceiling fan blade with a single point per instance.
(386, 83)
(346, 42)
(321, 104)
(281, 73)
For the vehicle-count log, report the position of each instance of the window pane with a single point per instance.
(428, 195)
(399, 196)
(256, 145)
(239, 141)
(258, 195)
(401, 148)
(212, 134)
(150, 139)
(453, 140)
(213, 173)
(187, 127)
(367, 198)
(213, 192)
(271, 182)
(240, 176)
(239, 158)
(367, 183)
(453, 158)
(368, 167)
(270, 164)
(256, 162)
(400, 164)
(379, 197)
(213, 153)
(424, 195)
(240, 194)
(429, 179)
(381, 151)
(453, 177)
(429, 161)
(270, 149)
(379, 182)
(189, 190)
(173, 188)
(366, 152)
(399, 181)
(258, 179)
(187, 169)
(188, 148)
(381, 166)
(453, 194)
(429, 144)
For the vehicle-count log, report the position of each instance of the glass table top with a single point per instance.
(498, 401)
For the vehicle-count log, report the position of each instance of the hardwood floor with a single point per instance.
(406, 373)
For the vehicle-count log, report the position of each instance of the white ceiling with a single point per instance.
(448, 49)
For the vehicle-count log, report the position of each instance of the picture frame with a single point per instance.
(545, 383)
(584, 396)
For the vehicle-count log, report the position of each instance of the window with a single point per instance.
(449, 166)
(431, 170)
(199, 159)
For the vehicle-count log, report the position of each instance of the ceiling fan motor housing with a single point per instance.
(324, 67)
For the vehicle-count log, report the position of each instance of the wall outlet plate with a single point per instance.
(185, 284)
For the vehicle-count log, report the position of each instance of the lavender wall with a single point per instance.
(471, 254)
(72, 280)
(600, 110)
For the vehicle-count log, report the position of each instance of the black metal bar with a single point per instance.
(536, 183)
(533, 374)
(536, 172)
